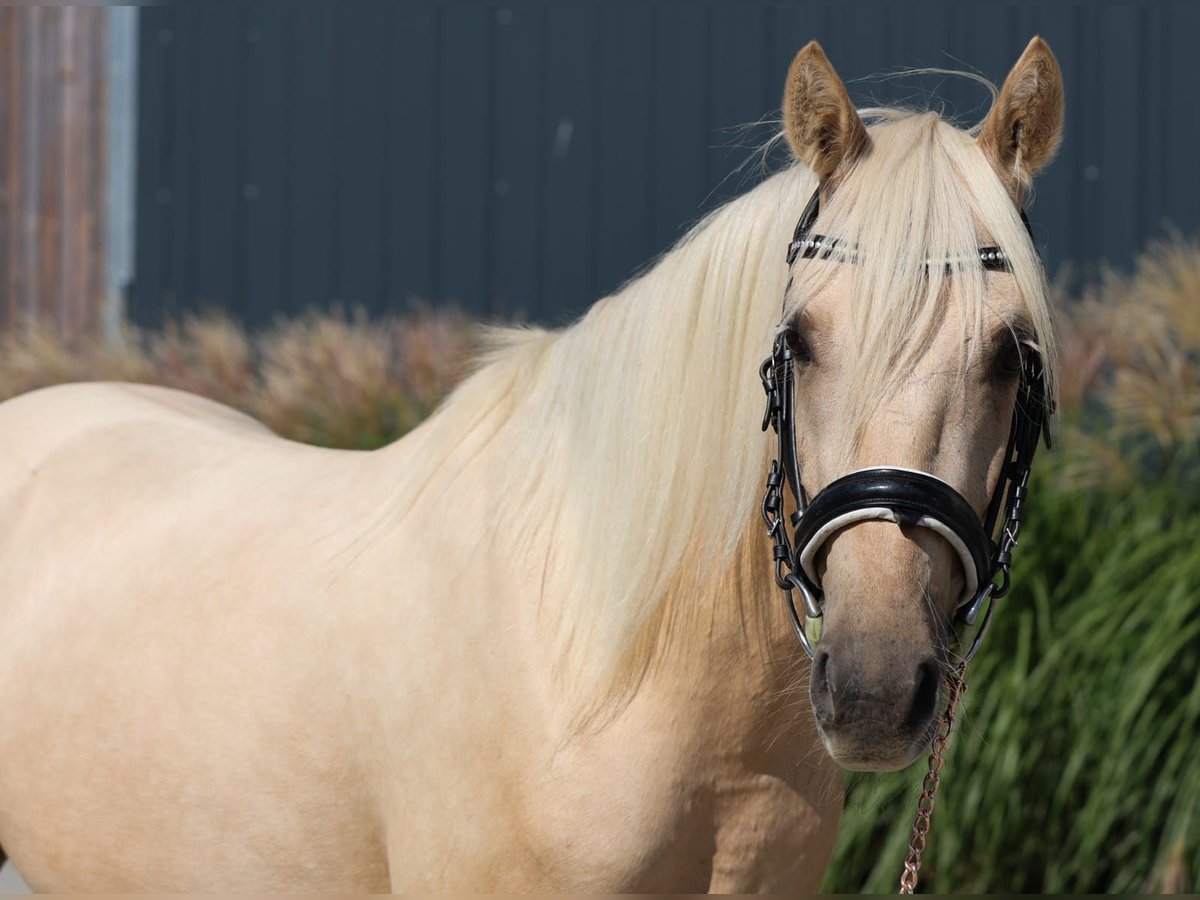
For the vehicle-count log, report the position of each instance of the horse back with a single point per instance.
(34, 425)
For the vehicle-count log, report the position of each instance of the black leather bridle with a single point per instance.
(905, 496)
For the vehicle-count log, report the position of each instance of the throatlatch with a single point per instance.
(904, 496)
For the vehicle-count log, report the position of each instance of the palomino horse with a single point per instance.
(535, 644)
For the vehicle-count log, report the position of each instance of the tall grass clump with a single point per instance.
(326, 378)
(1076, 768)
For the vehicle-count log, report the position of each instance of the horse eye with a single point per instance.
(1011, 357)
(798, 347)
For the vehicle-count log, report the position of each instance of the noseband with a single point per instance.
(907, 497)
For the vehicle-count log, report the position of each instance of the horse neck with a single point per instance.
(622, 458)
(654, 407)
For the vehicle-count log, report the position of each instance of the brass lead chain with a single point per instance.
(957, 685)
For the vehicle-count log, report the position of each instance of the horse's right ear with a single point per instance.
(821, 124)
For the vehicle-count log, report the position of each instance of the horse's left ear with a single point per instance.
(1024, 128)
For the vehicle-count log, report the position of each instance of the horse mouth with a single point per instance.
(875, 752)
(880, 732)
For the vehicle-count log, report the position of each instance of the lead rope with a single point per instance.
(956, 682)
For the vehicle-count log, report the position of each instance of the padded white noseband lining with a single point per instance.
(809, 553)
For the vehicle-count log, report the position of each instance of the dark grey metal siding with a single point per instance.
(527, 158)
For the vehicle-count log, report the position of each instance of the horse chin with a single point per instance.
(875, 754)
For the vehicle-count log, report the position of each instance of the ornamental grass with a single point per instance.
(333, 379)
(1076, 768)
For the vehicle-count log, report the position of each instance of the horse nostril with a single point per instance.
(820, 689)
(925, 695)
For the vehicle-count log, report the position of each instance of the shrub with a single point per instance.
(329, 379)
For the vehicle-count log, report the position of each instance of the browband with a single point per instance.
(805, 245)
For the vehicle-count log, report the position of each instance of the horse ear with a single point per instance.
(1022, 132)
(821, 124)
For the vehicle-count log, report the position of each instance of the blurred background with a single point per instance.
(301, 209)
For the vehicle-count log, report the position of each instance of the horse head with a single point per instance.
(910, 383)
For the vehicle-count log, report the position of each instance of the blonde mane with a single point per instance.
(631, 456)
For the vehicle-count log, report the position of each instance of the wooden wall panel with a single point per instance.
(52, 165)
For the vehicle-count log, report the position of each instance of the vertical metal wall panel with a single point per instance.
(1183, 119)
(1053, 199)
(625, 166)
(1120, 181)
(465, 149)
(411, 195)
(735, 61)
(526, 159)
(1152, 119)
(264, 114)
(1087, 130)
(314, 74)
(154, 154)
(219, 49)
(680, 131)
(183, 53)
(518, 124)
(361, 158)
(53, 112)
(574, 140)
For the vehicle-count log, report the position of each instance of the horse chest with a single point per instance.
(772, 837)
(749, 832)
(653, 805)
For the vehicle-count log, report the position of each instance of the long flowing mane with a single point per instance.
(631, 460)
